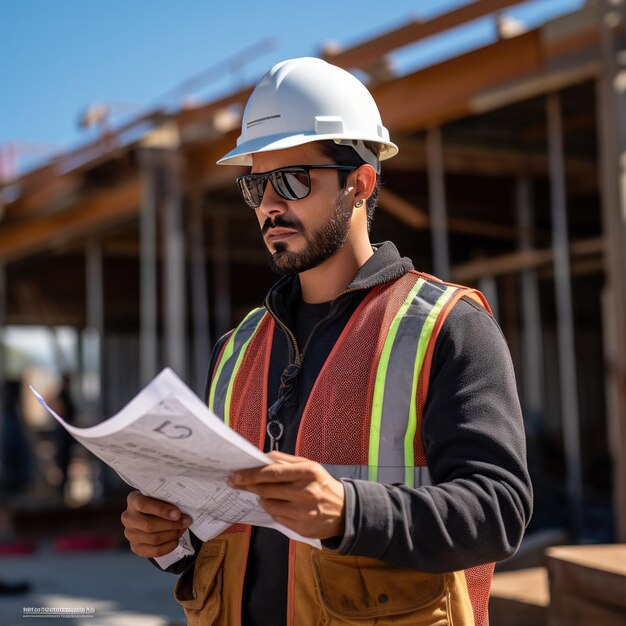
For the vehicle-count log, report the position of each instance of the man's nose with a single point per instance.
(271, 203)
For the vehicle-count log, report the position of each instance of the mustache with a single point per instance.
(280, 220)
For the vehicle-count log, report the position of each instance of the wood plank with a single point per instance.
(442, 93)
(403, 210)
(595, 573)
(517, 261)
(572, 610)
(416, 218)
(519, 598)
(528, 585)
(108, 207)
(53, 195)
(368, 53)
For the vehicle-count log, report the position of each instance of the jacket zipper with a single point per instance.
(299, 356)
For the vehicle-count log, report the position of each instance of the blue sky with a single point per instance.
(58, 56)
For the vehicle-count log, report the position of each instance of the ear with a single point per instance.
(364, 182)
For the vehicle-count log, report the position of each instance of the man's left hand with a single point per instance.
(297, 493)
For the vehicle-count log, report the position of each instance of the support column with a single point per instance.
(222, 273)
(437, 203)
(174, 292)
(532, 344)
(199, 293)
(148, 304)
(3, 318)
(488, 286)
(565, 316)
(93, 339)
(611, 116)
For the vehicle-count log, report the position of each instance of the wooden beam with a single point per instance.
(368, 53)
(525, 259)
(484, 229)
(49, 197)
(201, 169)
(442, 93)
(403, 210)
(480, 160)
(238, 255)
(411, 215)
(93, 213)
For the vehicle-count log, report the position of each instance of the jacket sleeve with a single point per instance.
(179, 566)
(480, 500)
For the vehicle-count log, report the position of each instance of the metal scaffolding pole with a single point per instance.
(94, 331)
(565, 315)
(488, 286)
(174, 293)
(3, 315)
(611, 116)
(148, 338)
(199, 293)
(437, 203)
(532, 345)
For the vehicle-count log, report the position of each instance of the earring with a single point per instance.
(358, 204)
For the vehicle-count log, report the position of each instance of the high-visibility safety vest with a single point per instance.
(362, 420)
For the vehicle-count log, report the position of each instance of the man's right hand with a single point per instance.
(152, 526)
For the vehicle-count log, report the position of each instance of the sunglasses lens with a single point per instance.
(252, 188)
(292, 184)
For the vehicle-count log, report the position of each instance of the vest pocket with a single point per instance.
(359, 590)
(199, 588)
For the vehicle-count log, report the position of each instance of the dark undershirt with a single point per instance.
(306, 318)
(266, 581)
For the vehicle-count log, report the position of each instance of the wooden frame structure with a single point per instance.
(150, 197)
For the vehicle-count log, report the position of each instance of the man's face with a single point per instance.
(302, 234)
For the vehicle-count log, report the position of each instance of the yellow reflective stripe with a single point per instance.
(231, 382)
(228, 352)
(379, 383)
(422, 346)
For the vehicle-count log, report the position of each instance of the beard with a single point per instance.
(320, 244)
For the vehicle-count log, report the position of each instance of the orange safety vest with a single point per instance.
(362, 420)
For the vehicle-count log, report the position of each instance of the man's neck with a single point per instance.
(326, 281)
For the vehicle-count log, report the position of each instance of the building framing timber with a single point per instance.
(131, 197)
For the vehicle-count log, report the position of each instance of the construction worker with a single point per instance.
(385, 397)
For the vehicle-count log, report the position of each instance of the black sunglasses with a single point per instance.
(290, 183)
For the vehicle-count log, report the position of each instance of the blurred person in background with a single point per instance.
(64, 406)
(385, 398)
(16, 457)
(16, 466)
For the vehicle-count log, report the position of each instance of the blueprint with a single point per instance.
(167, 444)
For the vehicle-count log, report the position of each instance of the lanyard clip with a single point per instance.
(275, 432)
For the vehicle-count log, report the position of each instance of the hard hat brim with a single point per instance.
(242, 154)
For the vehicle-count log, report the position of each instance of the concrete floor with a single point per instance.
(119, 587)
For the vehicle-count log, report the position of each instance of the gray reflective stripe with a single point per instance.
(231, 359)
(386, 475)
(399, 382)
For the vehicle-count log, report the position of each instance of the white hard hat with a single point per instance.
(304, 100)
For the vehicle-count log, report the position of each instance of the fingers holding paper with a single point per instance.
(152, 526)
(297, 493)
